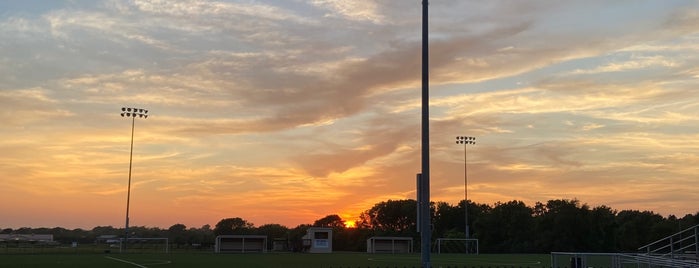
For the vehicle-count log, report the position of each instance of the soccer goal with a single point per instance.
(145, 245)
(457, 245)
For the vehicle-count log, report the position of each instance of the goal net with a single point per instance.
(457, 245)
(145, 245)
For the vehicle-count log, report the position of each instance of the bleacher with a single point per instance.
(678, 250)
(681, 248)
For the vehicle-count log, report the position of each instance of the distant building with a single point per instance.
(107, 239)
(32, 238)
(318, 240)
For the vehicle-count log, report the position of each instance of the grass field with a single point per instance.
(285, 260)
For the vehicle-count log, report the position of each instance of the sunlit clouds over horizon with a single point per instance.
(288, 111)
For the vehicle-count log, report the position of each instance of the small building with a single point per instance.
(240, 243)
(382, 244)
(31, 238)
(107, 239)
(318, 240)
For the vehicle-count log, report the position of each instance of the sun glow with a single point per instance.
(350, 224)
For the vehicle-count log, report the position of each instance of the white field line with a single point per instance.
(125, 261)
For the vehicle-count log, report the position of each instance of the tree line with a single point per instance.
(510, 227)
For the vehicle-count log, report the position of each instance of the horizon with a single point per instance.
(288, 111)
(349, 223)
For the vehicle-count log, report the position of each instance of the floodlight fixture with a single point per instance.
(465, 140)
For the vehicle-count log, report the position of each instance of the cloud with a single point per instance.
(289, 104)
(379, 139)
(352, 10)
(216, 9)
(633, 64)
(25, 106)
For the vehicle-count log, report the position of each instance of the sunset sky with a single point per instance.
(285, 111)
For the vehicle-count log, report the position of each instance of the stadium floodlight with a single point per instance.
(466, 140)
(131, 113)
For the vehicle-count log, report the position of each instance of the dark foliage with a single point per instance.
(511, 227)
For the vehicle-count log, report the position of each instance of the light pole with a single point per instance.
(466, 140)
(132, 113)
(425, 221)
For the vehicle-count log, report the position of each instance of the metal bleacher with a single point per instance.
(678, 250)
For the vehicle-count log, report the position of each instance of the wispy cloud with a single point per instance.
(366, 10)
(288, 111)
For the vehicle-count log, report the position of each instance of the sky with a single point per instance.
(286, 111)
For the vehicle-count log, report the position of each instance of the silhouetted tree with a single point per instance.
(201, 237)
(561, 225)
(333, 221)
(296, 236)
(392, 217)
(232, 226)
(636, 229)
(687, 221)
(507, 227)
(105, 230)
(557, 225)
(602, 226)
(448, 221)
(273, 231)
(178, 234)
(351, 239)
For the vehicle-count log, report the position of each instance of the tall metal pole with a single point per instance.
(425, 226)
(128, 191)
(465, 140)
(133, 113)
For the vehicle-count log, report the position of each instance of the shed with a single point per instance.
(389, 244)
(241, 243)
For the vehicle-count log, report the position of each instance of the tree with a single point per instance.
(688, 221)
(636, 229)
(296, 237)
(448, 221)
(507, 227)
(231, 226)
(333, 221)
(178, 234)
(392, 217)
(202, 237)
(602, 229)
(562, 225)
(105, 230)
(273, 231)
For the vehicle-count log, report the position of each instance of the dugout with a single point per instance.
(241, 243)
(389, 244)
(318, 240)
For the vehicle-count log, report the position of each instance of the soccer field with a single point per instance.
(263, 260)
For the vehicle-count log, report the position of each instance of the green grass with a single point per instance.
(264, 260)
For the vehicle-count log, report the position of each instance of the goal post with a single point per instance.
(457, 245)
